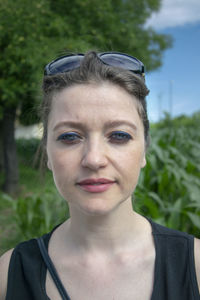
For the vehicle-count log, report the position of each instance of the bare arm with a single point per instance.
(4, 265)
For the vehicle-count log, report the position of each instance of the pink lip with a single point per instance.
(98, 185)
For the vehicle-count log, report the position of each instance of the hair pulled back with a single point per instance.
(93, 70)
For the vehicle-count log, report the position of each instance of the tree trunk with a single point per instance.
(1, 148)
(10, 154)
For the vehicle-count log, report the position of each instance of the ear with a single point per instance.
(48, 161)
(49, 165)
(144, 162)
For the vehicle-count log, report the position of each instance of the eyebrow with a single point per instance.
(115, 123)
(109, 124)
(76, 125)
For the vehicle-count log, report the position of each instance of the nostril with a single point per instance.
(94, 160)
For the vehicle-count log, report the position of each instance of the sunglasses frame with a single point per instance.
(48, 71)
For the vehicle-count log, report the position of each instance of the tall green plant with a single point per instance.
(35, 214)
(169, 186)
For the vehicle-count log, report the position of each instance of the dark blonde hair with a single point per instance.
(93, 70)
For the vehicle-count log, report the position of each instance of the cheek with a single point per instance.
(130, 164)
(60, 164)
(62, 175)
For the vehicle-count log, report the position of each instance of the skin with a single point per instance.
(95, 151)
(102, 225)
(106, 250)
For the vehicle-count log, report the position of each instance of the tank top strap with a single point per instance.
(52, 270)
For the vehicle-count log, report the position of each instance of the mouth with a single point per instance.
(98, 185)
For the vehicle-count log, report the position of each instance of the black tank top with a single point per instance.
(174, 278)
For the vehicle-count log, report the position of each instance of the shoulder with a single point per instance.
(15, 261)
(197, 259)
(178, 240)
(165, 232)
(4, 266)
(22, 261)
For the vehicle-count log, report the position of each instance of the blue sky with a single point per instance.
(175, 87)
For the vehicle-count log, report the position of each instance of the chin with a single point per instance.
(96, 209)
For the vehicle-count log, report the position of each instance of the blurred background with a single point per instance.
(165, 35)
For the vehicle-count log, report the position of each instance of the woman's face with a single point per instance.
(95, 146)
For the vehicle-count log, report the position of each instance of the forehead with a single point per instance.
(96, 103)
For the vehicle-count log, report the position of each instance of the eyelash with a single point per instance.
(69, 137)
(118, 137)
(122, 137)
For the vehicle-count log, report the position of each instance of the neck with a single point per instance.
(106, 233)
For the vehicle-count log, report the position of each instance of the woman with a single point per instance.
(96, 132)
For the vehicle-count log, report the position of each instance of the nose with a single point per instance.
(94, 154)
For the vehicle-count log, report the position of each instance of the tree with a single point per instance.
(34, 32)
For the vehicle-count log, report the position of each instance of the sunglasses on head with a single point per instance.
(115, 59)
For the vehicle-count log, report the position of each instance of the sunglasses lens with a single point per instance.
(64, 64)
(122, 61)
(71, 62)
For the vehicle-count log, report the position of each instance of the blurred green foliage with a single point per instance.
(168, 189)
(27, 149)
(169, 186)
(33, 32)
(30, 215)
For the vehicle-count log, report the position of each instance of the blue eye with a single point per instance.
(120, 137)
(69, 137)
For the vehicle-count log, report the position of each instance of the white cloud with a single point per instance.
(175, 13)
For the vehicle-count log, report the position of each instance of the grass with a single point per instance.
(36, 210)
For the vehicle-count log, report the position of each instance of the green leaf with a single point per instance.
(194, 218)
